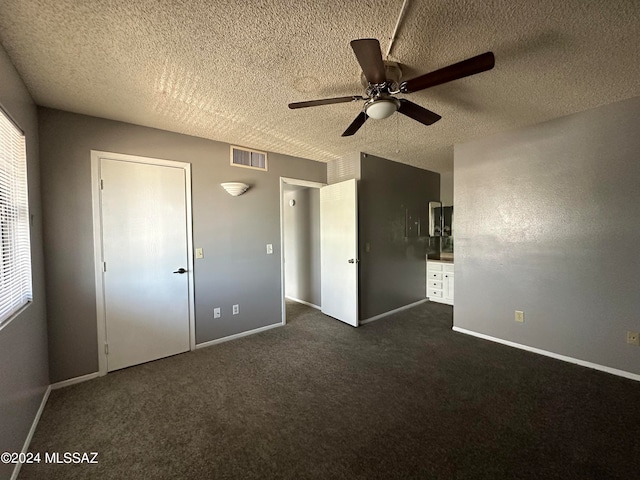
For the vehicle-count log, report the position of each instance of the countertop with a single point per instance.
(441, 260)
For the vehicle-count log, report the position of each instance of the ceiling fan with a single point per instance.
(382, 83)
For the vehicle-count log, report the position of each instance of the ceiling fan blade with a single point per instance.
(355, 125)
(325, 101)
(470, 66)
(415, 111)
(369, 57)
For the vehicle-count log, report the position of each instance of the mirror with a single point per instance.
(446, 245)
(435, 219)
(447, 221)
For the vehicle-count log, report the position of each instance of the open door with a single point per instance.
(339, 251)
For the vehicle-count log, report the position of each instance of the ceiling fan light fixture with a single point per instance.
(381, 108)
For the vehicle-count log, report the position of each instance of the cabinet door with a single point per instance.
(448, 286)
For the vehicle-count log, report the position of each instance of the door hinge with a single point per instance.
(106, 349)
(101, 184)
(104, 266)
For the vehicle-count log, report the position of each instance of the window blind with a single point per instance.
(15, 266)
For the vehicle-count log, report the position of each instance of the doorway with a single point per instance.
(319, 247)
(300, 240)
(143, 258)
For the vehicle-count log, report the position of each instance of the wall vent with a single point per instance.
(242, 157)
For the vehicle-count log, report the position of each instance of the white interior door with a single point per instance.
(144, 238)
(339, 251)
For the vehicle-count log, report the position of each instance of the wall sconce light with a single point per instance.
(235, 188)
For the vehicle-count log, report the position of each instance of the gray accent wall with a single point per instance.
(24, 371)
(548, 222)
(301, 224)
(392, 199)
(446, 189)
(233, 231)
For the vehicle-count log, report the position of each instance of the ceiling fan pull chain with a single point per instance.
(397, 133)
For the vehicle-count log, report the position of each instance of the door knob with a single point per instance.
(351, 260)
(180, 271)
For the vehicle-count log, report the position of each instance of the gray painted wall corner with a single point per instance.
(446, 188)
(233, 231)
(392, 198)
(24, 376)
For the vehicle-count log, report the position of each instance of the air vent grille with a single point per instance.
(241, 157)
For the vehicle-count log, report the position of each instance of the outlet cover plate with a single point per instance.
(236, 309)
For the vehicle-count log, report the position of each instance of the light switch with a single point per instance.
(269, 249)
(199, 253)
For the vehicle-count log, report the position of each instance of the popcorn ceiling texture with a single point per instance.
(226, 70)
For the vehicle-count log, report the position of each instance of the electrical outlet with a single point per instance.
(519, 316)
(216, 313)
(633, 338)
(236, 309)
(199, 253)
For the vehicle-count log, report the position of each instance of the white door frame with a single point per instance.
(96, 156)
(299, 183)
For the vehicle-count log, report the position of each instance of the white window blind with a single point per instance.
(15, 269)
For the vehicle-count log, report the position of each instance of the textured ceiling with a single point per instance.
(226, 70)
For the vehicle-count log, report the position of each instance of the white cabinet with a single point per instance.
(440, 281)
(448, 285)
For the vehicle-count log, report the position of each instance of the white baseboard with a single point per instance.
(564, 358)
(391, 312)
(441, 300)
(317, 307)
(74, 380)
(237, 335)
(32, 430)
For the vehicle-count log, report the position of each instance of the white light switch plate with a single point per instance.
(199, 253)
(269, 249)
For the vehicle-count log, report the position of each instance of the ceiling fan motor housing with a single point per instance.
(392, 71)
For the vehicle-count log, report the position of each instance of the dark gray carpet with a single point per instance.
(404, 397)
